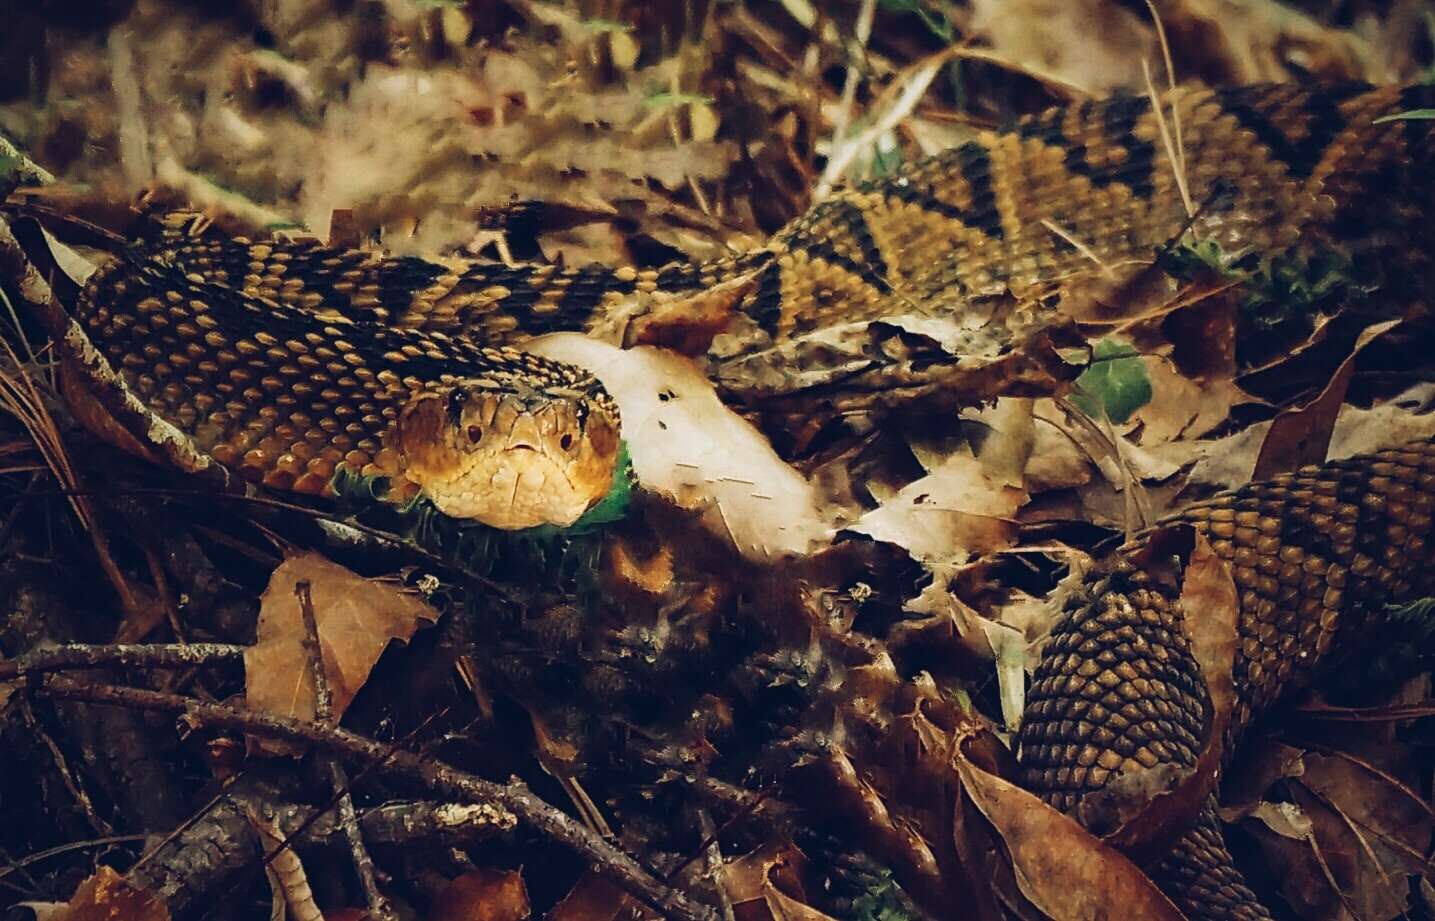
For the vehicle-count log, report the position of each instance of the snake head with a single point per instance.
(509, 454)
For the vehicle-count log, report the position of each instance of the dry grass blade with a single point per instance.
(913, 83)
(843, 116)
(1078, 245)
(1173, 153)
(1171, 85)
(25, 399)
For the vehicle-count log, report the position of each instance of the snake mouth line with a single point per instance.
(509, 460)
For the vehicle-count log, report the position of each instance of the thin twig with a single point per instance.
(712, 854)
(914, 82)
(379, 907)
(857, 50)
(67, 776)
(120, 655)
(67, 848)
(22, 396)
(604, 859)
(22, 171)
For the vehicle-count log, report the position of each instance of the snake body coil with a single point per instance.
(1316, 556)
(285, 360)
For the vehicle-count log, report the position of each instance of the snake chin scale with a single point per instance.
(511, 457)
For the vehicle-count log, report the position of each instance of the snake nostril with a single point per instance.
(475, 434)
(566, 442)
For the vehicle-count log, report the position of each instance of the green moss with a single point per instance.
(880, 902)
(1399, 645)
(1275, 293)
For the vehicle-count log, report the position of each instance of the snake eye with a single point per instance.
(475, 434)
(456, 399)
(566, 442)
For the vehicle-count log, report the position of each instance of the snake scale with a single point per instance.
(285, 360)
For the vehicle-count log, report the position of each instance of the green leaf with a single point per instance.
(7, 163)
(1412, 115)
(1115, 384)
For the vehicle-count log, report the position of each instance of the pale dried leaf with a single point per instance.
(356, 620)
(1061, 868)
(1184, 408)
(686, 445)
(1229, 462)
(958, 510)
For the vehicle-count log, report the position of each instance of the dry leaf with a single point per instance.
(1068, 873)
(1184, 408)
(958, 510)
(356, 620)
(1226, 463)
(1351, 824)
(593, 898)
(764, 886)
(482, 895)
(107, 896)
(1301, 436)
(686, 445)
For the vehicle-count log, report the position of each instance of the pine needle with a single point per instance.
(1170, 83)
(1175, 148)
(1076, 244)
(1171, 154)
(24, 399)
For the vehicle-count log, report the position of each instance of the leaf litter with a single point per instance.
(816, 623)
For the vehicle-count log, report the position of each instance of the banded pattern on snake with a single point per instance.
(283, 361)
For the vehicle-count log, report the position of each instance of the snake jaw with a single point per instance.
(509, 457)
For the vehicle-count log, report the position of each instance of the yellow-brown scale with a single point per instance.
(284, 396)
(1315, 556)
(1064, 196)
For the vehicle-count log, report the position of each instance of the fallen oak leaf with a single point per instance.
(355, 619)
(1065, 871)
(1301, 435)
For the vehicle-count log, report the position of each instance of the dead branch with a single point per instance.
(604, 859)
